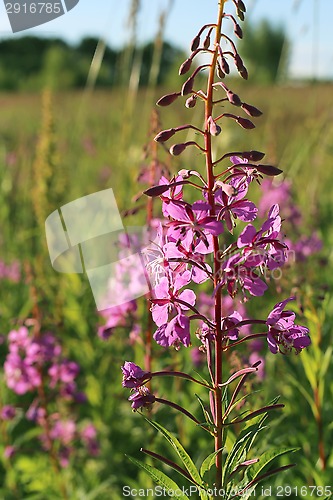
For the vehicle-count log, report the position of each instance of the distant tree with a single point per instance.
(265, 50)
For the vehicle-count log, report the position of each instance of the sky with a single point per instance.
(308, 24)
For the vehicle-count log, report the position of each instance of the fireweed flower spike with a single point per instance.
(193, 247)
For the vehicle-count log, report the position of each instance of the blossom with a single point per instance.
(174, 333)
(141, 398)
(235, 275)
(133, 375)
(283, 335)
(263, 247)
(233, 205)
(194, 219)
(167, 295)
(230, 323)
(8, 412)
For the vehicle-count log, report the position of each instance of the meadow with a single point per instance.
(56, 147)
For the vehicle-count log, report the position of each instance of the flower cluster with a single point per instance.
(35, 364)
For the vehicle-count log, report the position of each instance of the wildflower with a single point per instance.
(133, 375)
(174, 333)
(141, 398)
(8, 412)
(283, 335)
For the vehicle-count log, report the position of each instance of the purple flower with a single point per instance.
(64, 431)
(236, 275)
(167, 295)
(9, 451)
(133, 375)
(88, 436)
(8, 412)
(174, 333)
(263, 247)
(233, 205)
(283, 335)
(193, 219)
(141, 398)
(229, 323)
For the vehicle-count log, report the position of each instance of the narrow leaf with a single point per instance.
(168, 462)
(208, 462)
(160, 478)
(183, 455)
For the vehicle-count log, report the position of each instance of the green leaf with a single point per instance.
(183, 455)
(265, 459)
(208, 462)
(310, 368)
(204, 410)
(160, 478)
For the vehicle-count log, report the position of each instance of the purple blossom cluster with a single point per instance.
(35, 364)
(10, 272)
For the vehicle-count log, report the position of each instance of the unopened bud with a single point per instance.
(238, 31)
(177, 149)
(184, 68)
(195, 43)
(239, 62)
(243, 73)
(245, 123)
(225, 66)
(240, 14)
(219, 71)
(233, 98)
(241, 5)
(191, 101)
(185, 174)
(269, 170)
(206, 43)
(164, 135)
(253, 155)
(168, 99)
(214, 128)
(187, 88)
(251, 110)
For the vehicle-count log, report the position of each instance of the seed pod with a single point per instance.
(251, 110)
(191, 101)
(195, 43)
(164, 135)
(168, 99)
(177, 149)
(184, 68)
(245, 123)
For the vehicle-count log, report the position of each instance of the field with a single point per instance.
(55, 148)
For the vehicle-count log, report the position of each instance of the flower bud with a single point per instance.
(241, 5)
(191, 101)
(225, 66)
(240, 14)
(233, 98)
(269, 170)
(239, 62)
(177, 149)
(251, 110)
(253, 155)
(184, 173)
(168, 99)
(238, 31)
(219, 71)
(245, 123)
(195, 43)
(164, 135)
(187, 88)
(156, 190)
(206, 43)
(243, 73)
(185, 67)
(214, 128)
